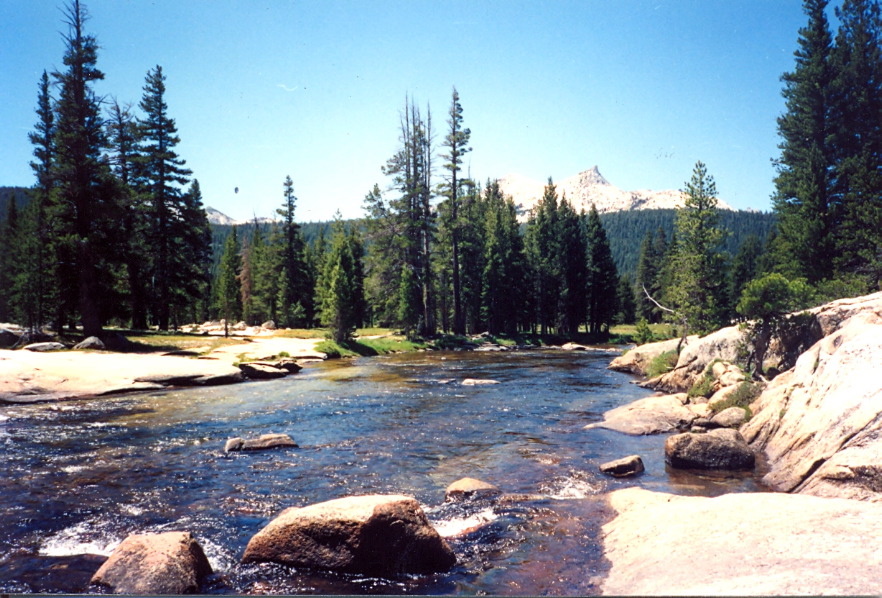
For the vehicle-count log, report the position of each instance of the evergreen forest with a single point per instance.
(114, 232)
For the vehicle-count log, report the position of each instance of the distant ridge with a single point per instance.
(589, 187)
(218, 218)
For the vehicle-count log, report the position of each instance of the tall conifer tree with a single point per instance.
(162, 176)
(803, 197)
(86, 208)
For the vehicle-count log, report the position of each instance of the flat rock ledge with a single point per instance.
(741, 544)
(167, 563)
(652, 415)
(372, 535)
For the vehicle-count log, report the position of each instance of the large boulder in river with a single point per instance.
(652, 415)
(371, 535)
(8, 338)
(820, 424)
(167, 563)
(722, 448)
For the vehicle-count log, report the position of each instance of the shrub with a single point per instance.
(744, 395)
(704, 387)
(662, 364)
(642, 334)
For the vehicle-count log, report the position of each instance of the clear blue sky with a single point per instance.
(262, 89)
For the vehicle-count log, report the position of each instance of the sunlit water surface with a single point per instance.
(80, 476)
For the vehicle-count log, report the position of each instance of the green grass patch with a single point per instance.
(627, 333)
(746, 393)
(368, 346)
(704, 387)
(662, 364)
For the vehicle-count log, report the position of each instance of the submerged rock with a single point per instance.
(467, 488)
(624, 467)
(371, 535)
(722, 448)
(478, 382)
(167, 563)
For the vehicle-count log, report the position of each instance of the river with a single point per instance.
(80, 476)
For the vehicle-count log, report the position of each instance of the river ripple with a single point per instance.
(82, 475)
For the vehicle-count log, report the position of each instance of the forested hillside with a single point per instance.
(21, 198)
(626, 231)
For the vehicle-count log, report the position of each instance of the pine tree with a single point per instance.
(627, 308)
(8, 259)
(192, 245)
(572, 308)
(857, 145)
(697, 292)
(228, 291)
(86, 208)
(340, 287)
(456, 142)
(413, 217)
(505, 266)
(473, 216)
(295, 292)
(33, 256)
(161, 177)
(122, 138)
(803, 200)
(543, 252)
(602, 277)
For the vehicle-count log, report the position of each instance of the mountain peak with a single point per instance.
(592, 176)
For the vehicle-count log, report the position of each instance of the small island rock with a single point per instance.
(372, 535)
(167, 563)
(266, 441)
(478, 382)
(256, 370)
(624, 467)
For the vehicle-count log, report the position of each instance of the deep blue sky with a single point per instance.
(262, 89)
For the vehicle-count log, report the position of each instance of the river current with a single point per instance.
(80, 476)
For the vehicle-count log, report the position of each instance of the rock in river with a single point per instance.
(722, 448)
(168, 563)
(372, 535)
(266, 441)
(624, 467)
(262, 371)
(467, 488)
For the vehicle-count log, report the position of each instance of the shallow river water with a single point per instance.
(80, 476)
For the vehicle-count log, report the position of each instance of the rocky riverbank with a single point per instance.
(817, 427)
(31, 376)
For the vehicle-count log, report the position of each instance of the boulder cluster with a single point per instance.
(386, 535)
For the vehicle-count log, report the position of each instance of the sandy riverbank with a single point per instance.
(27, 376)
